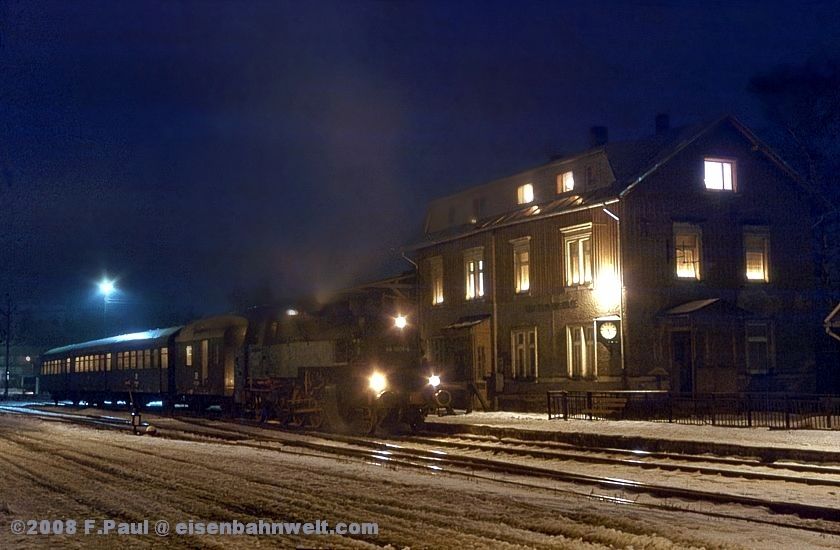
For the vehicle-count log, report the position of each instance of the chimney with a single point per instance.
(663, 123)
(597, 136)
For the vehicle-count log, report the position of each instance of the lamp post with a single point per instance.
(106, 288)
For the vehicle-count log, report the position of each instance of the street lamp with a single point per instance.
(106, 288)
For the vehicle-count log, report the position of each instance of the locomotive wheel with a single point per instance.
(366, 421)
(296, 421)
(315, 420)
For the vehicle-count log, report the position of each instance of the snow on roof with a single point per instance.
(153, 334)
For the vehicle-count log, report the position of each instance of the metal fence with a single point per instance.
(773, 410)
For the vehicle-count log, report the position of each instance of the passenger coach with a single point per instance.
(111, 368)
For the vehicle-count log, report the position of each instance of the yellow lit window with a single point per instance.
(436, 274)
(578, 259)
(189, 356)
(474, 272)
(756, 246)
(522, 265)
(525, 194)
(687, 251)
(565, 182)
(719, 174)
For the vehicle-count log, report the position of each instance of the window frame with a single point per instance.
(562, 181)
(523, 192)
(530, 350)
(588, 359)
(688, 230)
(762, 234)
(436, 280)
(768, 340)
(577, 235)
(474, 287)
(521, 245)
(733, 174)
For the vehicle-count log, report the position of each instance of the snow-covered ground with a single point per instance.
(51, 470)
(818, 440)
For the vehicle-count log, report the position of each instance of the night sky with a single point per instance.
(191, 149)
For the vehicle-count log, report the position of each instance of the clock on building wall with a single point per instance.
(608, 331)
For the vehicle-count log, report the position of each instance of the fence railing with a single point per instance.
(774, 410)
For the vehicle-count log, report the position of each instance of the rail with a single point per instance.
(773, 410)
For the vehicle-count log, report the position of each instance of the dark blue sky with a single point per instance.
(192, 148)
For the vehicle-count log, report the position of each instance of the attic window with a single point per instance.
(565, 182)
(719, 174)
(525, 194)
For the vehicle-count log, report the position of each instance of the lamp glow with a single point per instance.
(400, 321)
(377, 382)
(434, 380)
(106, 287)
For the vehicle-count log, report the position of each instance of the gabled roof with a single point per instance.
(631, 162)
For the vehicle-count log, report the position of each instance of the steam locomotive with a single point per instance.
(352, 364)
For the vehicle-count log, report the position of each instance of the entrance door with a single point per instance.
(681, 361)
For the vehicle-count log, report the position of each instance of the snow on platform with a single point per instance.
(822, 445)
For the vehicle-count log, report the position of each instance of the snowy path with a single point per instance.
(52, 471)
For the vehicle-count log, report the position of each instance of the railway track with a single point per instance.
(398, 453)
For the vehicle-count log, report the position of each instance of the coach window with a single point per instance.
(164, 358)
(188, 352)
(205, 356)
(107, 361)
(147, 358)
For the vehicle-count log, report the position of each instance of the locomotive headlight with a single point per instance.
(434, 380)
(378, 382)
(400, 321)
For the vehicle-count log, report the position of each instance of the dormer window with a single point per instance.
(719, 174)
(565, 182)
(525, 194)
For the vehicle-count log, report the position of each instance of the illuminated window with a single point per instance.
(759, 347)
(719, 174)
(436, 276)
(756, 252)
(164, 358)
(522, 265)
(107, 361)
(474, 273)
(188, 356)
(565, 182)
(580, 346)
(525, 193)
(577, 242)
(523, 353)
(687, 251)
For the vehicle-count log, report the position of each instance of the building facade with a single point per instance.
(682, 261)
